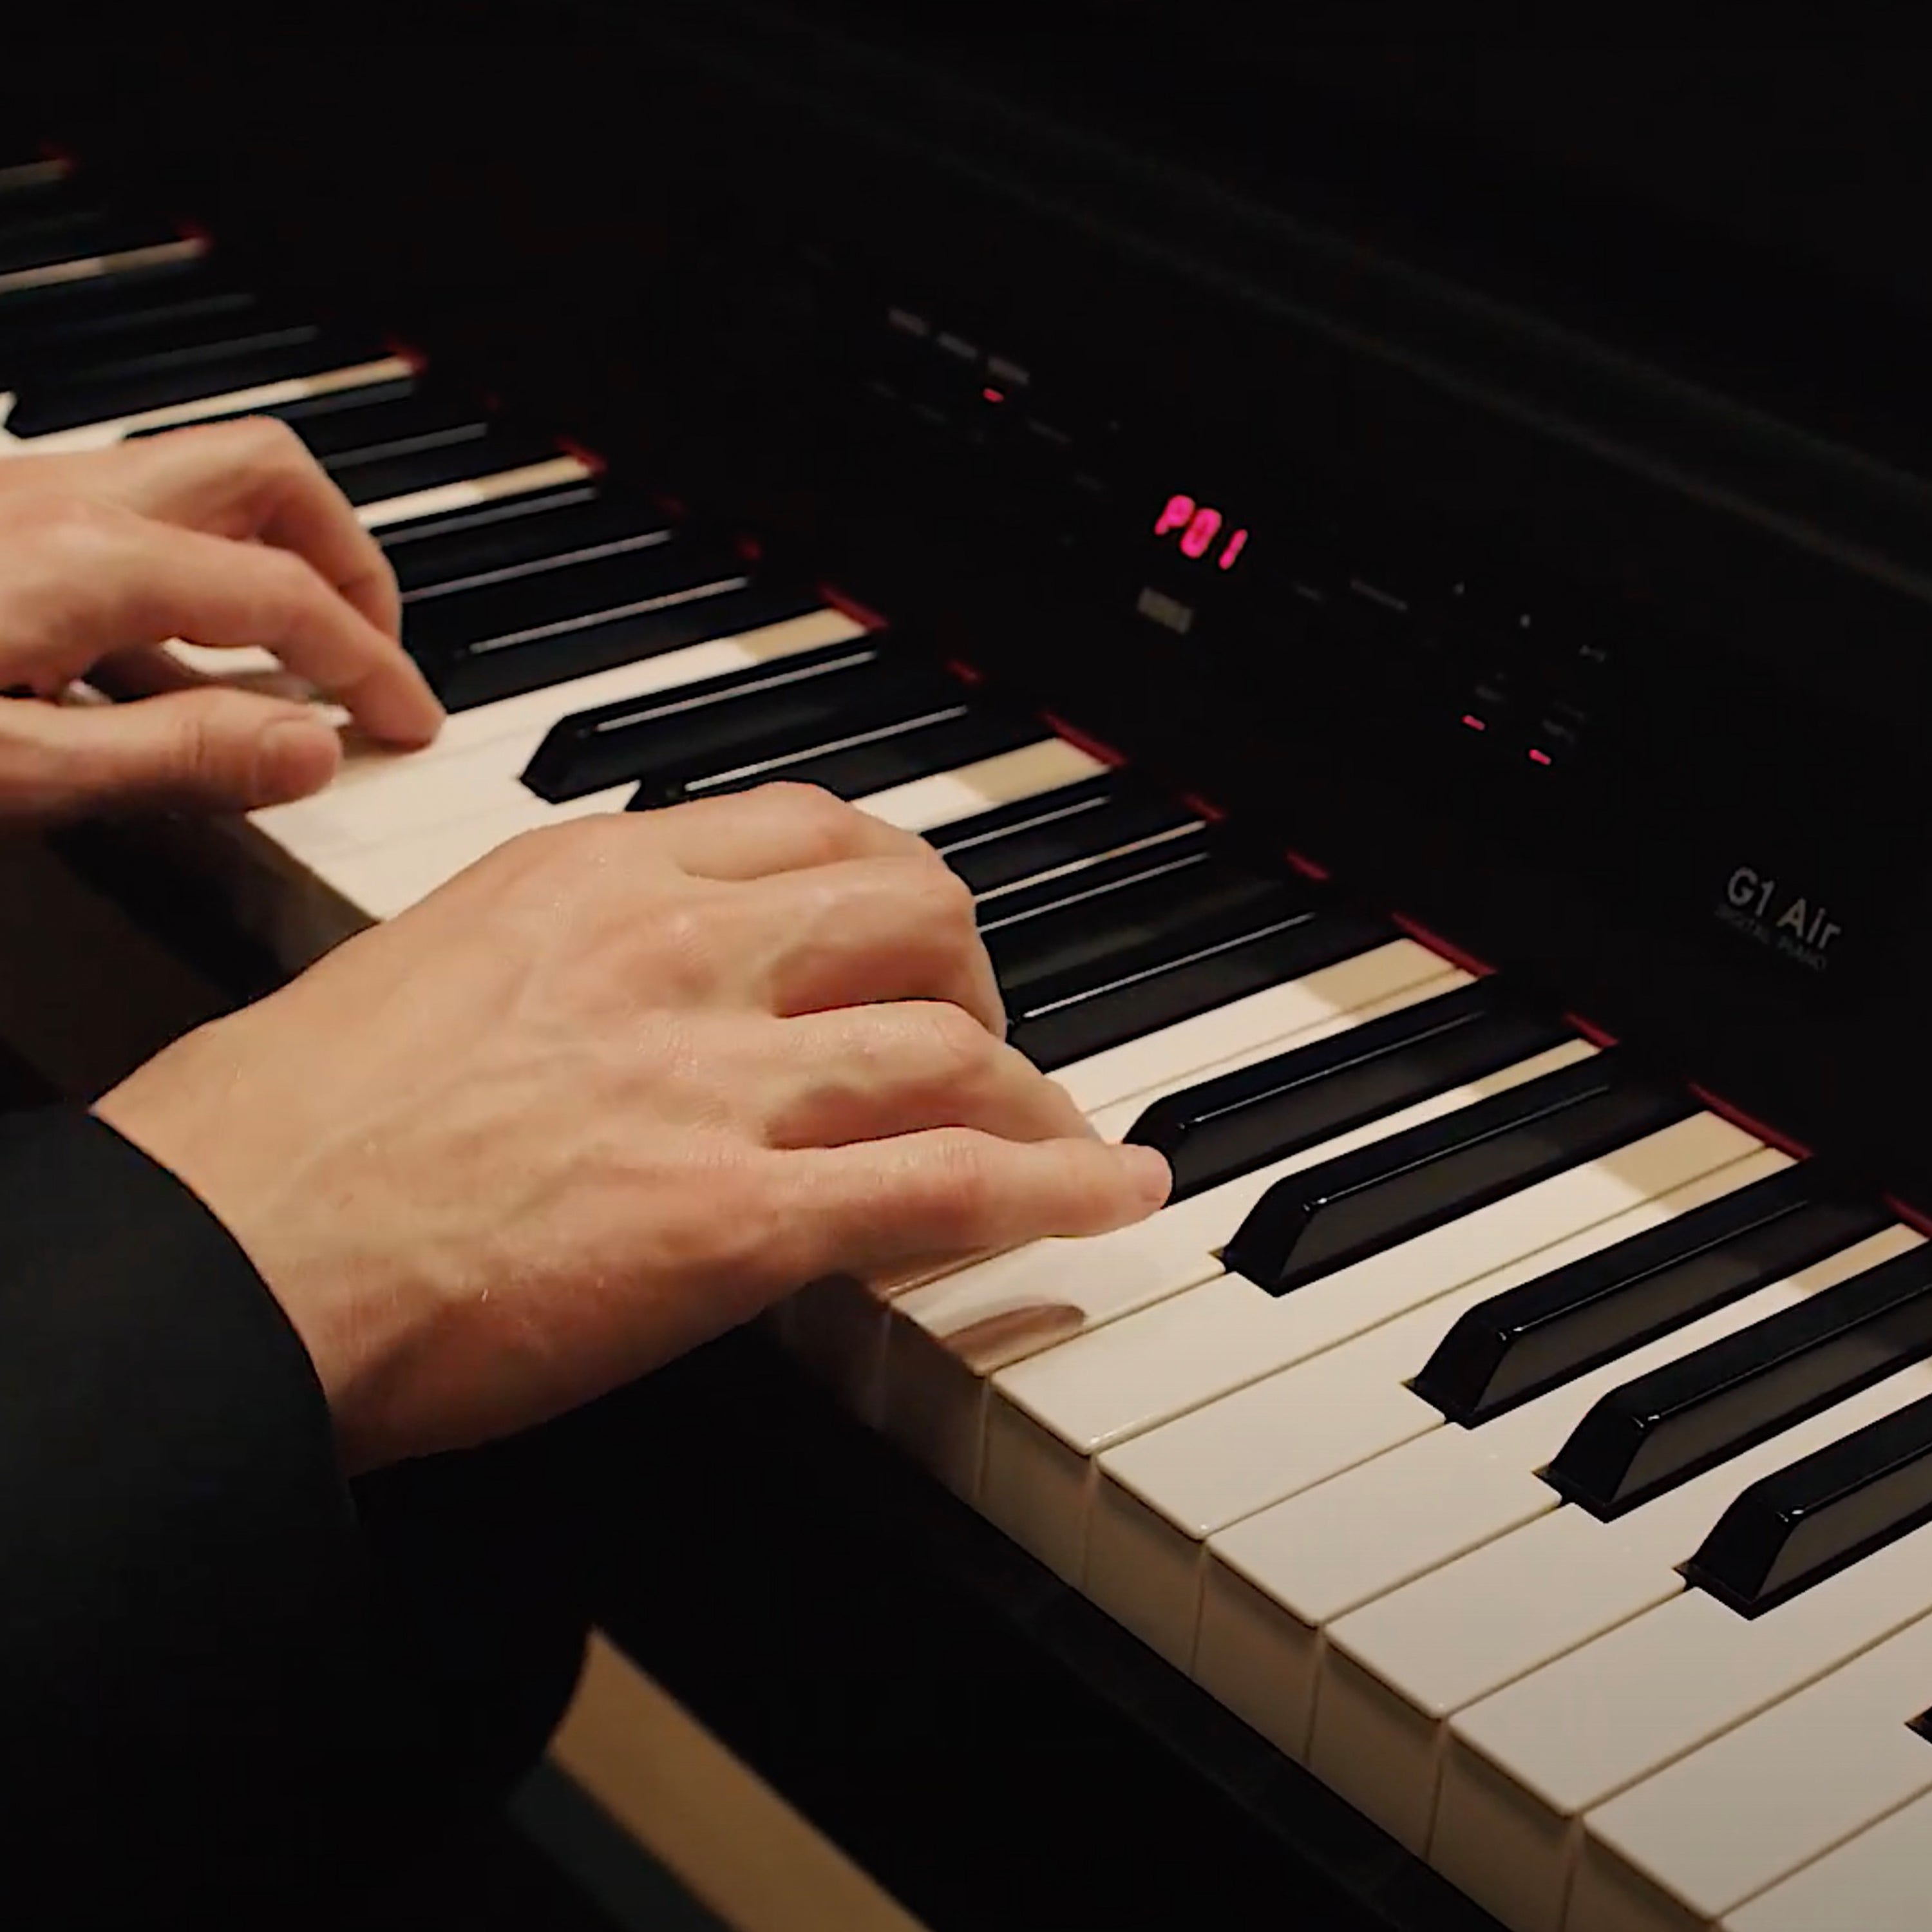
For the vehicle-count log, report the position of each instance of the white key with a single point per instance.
(1050, 1414)
(1878, 1881)
(1524, 1765)
(944, 1336)
(1250, 1029)
(1398, 1668)
(262, 396)
(381, 881)
(1693, 1843)
(95, 267)
(1161, 1494)
(472, 492)
(923, 804)
(1277, 1579)
(476, 766)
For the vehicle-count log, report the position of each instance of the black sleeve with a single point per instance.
(212, 1692)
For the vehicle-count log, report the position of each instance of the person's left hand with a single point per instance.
(230, 535)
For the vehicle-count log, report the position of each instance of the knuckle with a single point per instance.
(959, 1048)
(258, 445)
(834, 826)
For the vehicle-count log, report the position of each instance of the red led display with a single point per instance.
(1197, 527)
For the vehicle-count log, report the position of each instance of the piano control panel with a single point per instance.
(1672, 770)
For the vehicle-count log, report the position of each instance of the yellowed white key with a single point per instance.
(944, 1337)
(1397, 1670)
(1692, 1844)
(1161, 1494)
(1877, 1882)
(1276, 1580)
(260, 396)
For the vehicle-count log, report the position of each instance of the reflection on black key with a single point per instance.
(1243, 1120)
(725, 605)
(495, 618)
(613, 524)
(1346, 1209)
(176, 340)
(1065, 841)
(451, 546)
(96, 318)
(1055, 925)
(1684, 1416)
(454, 459)
(1529, 1338)
(67, 405)
(1807, 1521)
(1172, 977)
(699, 728)
(938, 740)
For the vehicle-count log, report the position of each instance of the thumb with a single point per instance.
(205, 751)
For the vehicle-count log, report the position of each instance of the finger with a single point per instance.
(151, 581)
(208, 751)
(869, 1072)
(881, 1207)
(777, 828)
(865, 930)
(250, 478)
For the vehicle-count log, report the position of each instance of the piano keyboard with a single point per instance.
(1540, 1457)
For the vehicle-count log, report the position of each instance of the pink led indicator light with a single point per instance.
(1475, 723)
(1537, 757)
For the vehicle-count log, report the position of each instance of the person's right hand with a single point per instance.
(612, 1090)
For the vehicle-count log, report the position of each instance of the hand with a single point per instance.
(228, 535)
(612, 1090)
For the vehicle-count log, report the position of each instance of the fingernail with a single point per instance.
(1152, 1178)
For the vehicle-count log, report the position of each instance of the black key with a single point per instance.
(490, 451)
(177, 339)
(1693, 1413)
(1793, 1529)
(1243, 1120)
(1060, 837)
(74, 234)
(1068, 802)
(724, 604)
(1180, 973)
(614, 524)
(795, 703)
(30, 317)
(65, 405)
(875, 760)
(1527, 1340)
(100, 317)
(1064, 928)
(1310, 1224)
(456, 549)
(497, 617)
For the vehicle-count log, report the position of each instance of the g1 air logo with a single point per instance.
(1799, 928)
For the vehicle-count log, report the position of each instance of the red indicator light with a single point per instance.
(1235, 546)
(1475, 723)
(993, 395)
(1179, 512)
(1537, 757)
(1202, 528)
